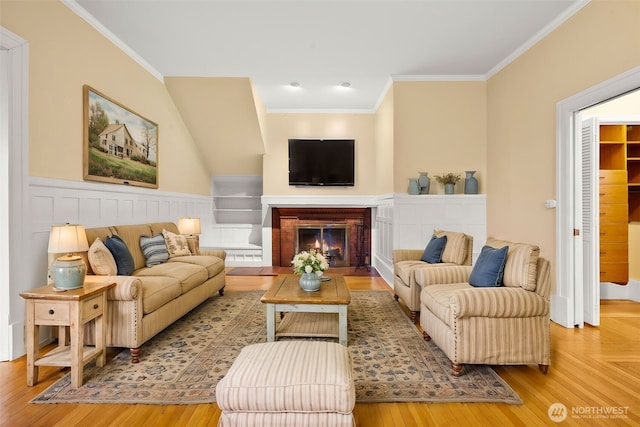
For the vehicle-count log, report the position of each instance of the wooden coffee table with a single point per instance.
(285, 295)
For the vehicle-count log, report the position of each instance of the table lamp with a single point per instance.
(190, 227)
(68, 271)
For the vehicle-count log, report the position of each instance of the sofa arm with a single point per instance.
(407, 255)
(127, 287)
(442, 274)
(498, 302)
(220, 253)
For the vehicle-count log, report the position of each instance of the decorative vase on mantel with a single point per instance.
(309, 282)
(423, 182)
(449, 188)
(414, 187)
(470, 183)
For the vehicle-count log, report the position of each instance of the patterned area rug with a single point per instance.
(183, 364)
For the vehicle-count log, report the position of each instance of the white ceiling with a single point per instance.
(322, 43)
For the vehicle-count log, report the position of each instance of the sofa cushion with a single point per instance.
(455, 251)
(213, 264)
(489, 268)
(154, 249)
(176, 244)
(436, 298)
(404, 270)
(101, 259)
(157, 291)
(121, 254)
(433, 252)
(522, 263)
(189, 275)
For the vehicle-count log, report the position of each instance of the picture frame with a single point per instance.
(120, 145)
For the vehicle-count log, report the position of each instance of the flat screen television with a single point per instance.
(322, 162)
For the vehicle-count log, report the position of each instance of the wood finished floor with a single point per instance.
(592, 369)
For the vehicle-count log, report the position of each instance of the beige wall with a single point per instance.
(601, 41)
(64, 54)
(384, 126)
(282, 126)
(221, 114)
(439, 127)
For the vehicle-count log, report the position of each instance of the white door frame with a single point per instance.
(563, 303)
(15, 215)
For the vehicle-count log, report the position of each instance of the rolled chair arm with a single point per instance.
(407, 255)
(220, 253)
(442, 275)
(498, 302)
(127, 287)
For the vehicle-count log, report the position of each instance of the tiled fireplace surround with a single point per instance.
(285, 220)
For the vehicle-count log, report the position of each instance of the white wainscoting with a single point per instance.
(415, 218)
(54, 202)
(382, 239)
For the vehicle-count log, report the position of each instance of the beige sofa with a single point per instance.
(152, 298)
(505, 325)
(457, 251)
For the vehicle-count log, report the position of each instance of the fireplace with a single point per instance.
(329, 224)
(331, 240)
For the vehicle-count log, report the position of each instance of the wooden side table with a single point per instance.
(72, 309)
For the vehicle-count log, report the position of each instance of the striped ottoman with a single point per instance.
(288, 383)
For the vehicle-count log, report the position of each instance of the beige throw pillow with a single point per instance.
(455, 250)
(521, 269)
(176, 244)
(101, 260)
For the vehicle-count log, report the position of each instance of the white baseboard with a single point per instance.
(384, 269)
(630, 291)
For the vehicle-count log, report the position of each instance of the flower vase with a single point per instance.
(309, 282)
(414, 187)
(423, 182)
(449, 188)
(470, 183)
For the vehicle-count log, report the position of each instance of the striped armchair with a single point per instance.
(506, 325)
(457, 251)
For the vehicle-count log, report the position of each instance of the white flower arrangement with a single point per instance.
(309, 262)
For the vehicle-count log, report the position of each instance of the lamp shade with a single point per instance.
(67, 238)
(68, 271)
(189, 225)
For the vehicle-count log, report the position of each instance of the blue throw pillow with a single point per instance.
(433, 252)
(120, 252)
(154, 249)
(489, 268)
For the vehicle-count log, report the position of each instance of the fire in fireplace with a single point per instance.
(332, 240)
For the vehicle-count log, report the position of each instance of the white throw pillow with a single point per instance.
(101, 260)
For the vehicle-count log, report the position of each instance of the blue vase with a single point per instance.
(470, 183)
(309, 282)
(414, 187)
(423, 183)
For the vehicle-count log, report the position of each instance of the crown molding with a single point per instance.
(545, 31)
(86, 16)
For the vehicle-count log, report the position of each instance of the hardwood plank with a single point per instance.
(589, 367)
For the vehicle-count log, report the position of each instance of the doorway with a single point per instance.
(568, 304)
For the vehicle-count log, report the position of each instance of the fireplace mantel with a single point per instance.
(309, 201)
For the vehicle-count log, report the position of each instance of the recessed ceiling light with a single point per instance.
(295, 84)
(345, 84)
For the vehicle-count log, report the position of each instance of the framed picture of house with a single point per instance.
(120, 145)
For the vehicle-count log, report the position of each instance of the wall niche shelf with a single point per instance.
(237, 199)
